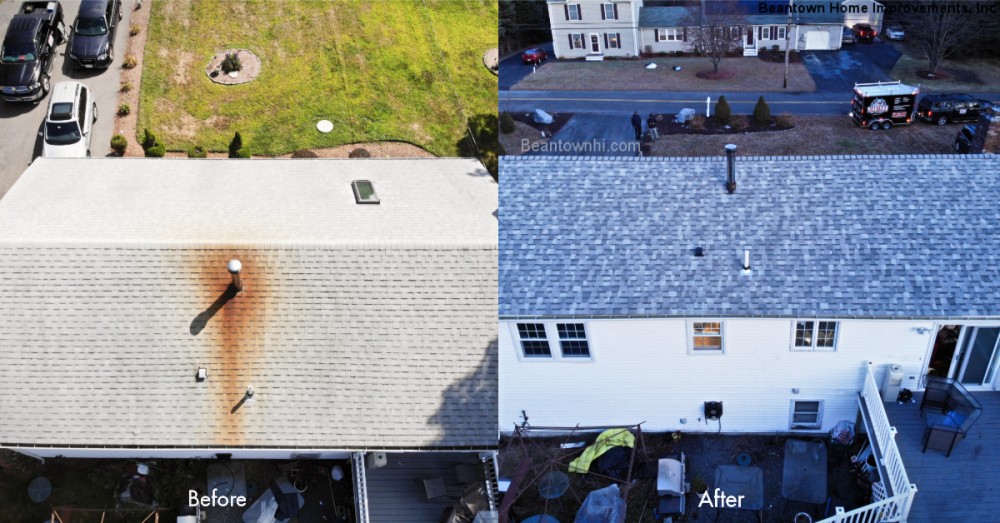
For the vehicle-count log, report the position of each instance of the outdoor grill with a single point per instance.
(670, 487)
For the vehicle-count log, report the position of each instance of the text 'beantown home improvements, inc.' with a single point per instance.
(956, 9)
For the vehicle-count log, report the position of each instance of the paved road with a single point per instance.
(21, 123)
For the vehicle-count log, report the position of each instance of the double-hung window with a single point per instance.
(613, 40)
(573, 340)
(610, 13)
(576, 40)
(534, 342)
(573, 12)
(705, 337)
(807, 414)
(815, 335)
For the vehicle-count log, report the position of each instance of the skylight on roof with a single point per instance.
(364, 191)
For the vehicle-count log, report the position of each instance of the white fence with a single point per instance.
(883, 437)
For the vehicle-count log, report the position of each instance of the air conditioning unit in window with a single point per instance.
(892, 381)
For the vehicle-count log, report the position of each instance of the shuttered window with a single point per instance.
(573, 12)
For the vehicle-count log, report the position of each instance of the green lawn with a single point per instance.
(375, 69)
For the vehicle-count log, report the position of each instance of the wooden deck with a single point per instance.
(396, 492)
(963, 488)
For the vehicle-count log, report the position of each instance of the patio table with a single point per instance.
(748, 482)
(803, 474)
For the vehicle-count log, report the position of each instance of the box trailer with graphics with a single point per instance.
(881, 105)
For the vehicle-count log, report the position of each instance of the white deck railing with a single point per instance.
(882, 437)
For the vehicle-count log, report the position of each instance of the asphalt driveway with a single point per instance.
(838, 71)
(21, 123)
(513, 71)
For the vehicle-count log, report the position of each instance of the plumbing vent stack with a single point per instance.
(234, 267)
(731, 168)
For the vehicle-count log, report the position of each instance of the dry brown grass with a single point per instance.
(750, 75)
(816, 135)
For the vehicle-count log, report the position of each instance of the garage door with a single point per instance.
(817, 40)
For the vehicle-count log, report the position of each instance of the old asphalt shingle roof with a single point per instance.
(360, 326)
(873, 236)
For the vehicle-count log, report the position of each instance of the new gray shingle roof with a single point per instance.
(872, 236)
(355, 333)
(809, 12)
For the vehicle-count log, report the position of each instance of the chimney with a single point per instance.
(234, 267)
(731, 168)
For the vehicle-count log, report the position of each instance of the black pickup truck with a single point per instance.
(29, 49)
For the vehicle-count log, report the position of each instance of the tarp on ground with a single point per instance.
(602, 506)
(608, 439)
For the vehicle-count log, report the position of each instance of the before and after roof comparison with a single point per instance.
(515, 261)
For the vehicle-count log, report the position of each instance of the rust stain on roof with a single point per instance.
(233, 334)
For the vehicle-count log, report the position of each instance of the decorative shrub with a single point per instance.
(126, 87)
(304, 153)
(739, 122)
(761, 112)
(148, 139)
(243, 152)
(124, 110)
(235, 145)
(722, 111)
(784, 121)
(697, 123)
(231, 63)
(156, 151)
(506, 123)
(130, 62)
(119, 144)
(359, 153)
(197, 152)
(134, 30)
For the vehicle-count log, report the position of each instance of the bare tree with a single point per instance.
(939, 28)
(715, 30)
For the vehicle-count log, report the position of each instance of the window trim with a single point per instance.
(612, 40)
(583, 43)
(522, 354)
(552, 339)
(604, 11)
(691, 337)
(782, 35)
(572, 9)
(818, 425)
(586, 340)
(815, 338)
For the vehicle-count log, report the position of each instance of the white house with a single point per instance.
(595, 29)
(362, 312)
(623, 296)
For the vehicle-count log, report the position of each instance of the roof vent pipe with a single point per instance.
(731, 168)
(746, 261)
(234, 267)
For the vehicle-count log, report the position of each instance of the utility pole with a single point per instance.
(788, 38)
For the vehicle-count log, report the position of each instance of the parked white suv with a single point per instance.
(69, 121)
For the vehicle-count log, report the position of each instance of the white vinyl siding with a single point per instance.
(755, 378)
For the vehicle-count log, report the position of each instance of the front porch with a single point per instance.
(961, 488)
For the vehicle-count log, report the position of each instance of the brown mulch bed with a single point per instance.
(667, 124)
(375, 149)
(815, 135)
(779, 56)
(126, 125)
(721, 74)
(249, 67)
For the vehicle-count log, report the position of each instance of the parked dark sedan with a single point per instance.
(952, 107)
(94, 33)
(533, 56)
